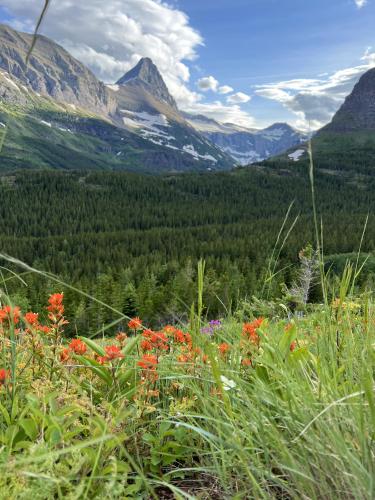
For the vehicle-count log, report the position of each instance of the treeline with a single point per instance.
(133, 241)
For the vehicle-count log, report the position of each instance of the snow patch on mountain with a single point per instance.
(189, 148)
(296, 156)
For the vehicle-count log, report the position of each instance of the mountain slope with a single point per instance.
(358, 111)
(146, 107)
(248, 145)
(53, 71)
(346, 146)
(57, 89)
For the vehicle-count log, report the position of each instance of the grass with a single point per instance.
(244, 408)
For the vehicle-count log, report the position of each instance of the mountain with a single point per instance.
(358, 111)
(146, 107)
(146, 75)
(53, 72)
(248, 146)
(346, 146)
(58, 114)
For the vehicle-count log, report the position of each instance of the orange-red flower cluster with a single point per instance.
(32, 323)
(121, 337)
(65, 355)
(113, 352)
(249, 330)
(148, 363)
(10, 315)
(4, 375)
(135, 324)
(55, 310)
(56, 306)
(246, 362)
(31, 318)
(224, 348)
(154, 340)
(78, 347)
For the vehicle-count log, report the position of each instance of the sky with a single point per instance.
(249, 62)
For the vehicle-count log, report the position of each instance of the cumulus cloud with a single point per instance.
(110, 37)
(238, 98)
(208, 83)
(225, 89)
(222, 113)
(314, 101)
(360, 3)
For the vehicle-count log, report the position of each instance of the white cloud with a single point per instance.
(314, 101)
(208, 83)
(110, 37)
(222, 113)
(360, 3)
(225, 89)
(238, 98)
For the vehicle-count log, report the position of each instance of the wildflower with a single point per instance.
(4, 374)
(101, 359)
(224, 348)
(188, 339)
(227, 384)
(148, 363)
(205, 358)
(179, 336)
(293, 346)
(215, 323)
(183, 358)
(146, 345)
(135, 324)
(55, 302)
(78, 347)
(65, 355)
(169, 329)
(121, 337)
(207, 330)
(246, 362)
(10, 315)
(249, 330)
(113, 352)
(31, 318)
(44, 329)
(56, 310)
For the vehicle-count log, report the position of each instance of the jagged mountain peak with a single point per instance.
(358, 111)
(146, 73)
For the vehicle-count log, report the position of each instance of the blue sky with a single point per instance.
(285, 60)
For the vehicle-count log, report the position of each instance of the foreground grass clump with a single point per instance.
(229, 409)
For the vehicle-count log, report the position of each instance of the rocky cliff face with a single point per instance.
(53, 71)
(145, 74)
(358, 111)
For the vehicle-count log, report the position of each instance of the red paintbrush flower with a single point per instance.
(113, 352)
(78, 347)
(135, 324)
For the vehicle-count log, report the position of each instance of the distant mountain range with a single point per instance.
(55, 113)
(245, 145)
